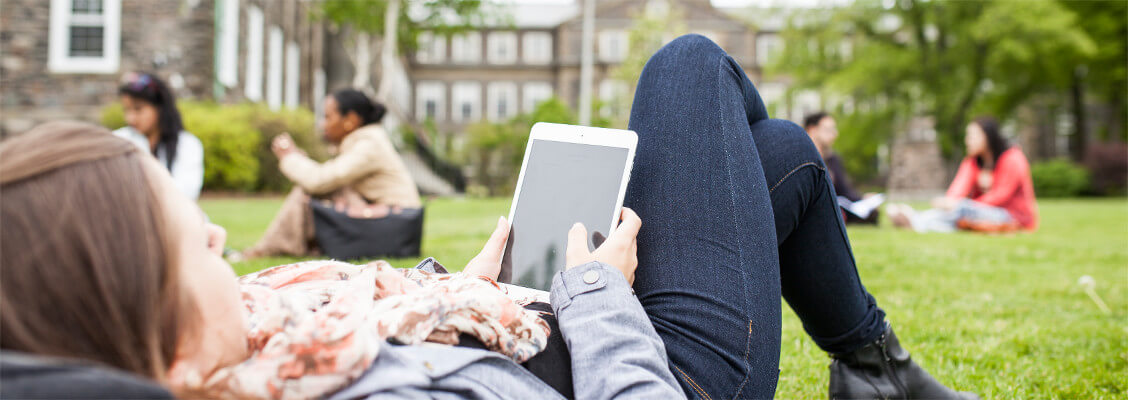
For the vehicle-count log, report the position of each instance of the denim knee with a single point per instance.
(783, 147)
(691, 48)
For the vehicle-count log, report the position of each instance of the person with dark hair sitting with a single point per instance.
(154, 125)
(367, 179)
(823, 131)
(992, 190)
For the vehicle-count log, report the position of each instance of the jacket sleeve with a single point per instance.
(1010, 170)
(615, 351)
(346, 168)
(963, 185)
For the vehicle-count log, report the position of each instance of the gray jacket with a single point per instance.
(615, 353)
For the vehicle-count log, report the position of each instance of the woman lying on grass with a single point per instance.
(735, 208)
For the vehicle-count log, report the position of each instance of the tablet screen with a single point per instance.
(564, 183)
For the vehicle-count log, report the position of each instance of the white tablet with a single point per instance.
(570, 174)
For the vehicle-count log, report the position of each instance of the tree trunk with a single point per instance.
(362, 77)
(1080, 138)
(388, 51)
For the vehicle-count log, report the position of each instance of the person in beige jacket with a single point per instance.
(367, 179)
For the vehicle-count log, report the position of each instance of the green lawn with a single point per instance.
(1002, 316)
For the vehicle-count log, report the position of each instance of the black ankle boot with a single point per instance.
(884, 370)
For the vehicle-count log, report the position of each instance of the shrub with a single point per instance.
(1108, 165)
(236, 140)
(1059, 178)
(495, 150)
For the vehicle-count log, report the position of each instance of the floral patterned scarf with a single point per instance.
(314, 327)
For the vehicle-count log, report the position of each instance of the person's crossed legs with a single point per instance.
(736, 206)
(708, 272)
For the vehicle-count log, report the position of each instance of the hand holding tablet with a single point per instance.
(620, 250)
(570, 174)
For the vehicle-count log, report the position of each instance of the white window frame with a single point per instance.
(611, 92)
(429, 90)
(227, 68)
(613, 45)
(252, 88)
(768, 47)
(536, 48)
(495, 93)
(466, 92)
(466, 48)
(274, 68)
(293, 74)
(533, 93)
(432, 48)
(502, 46)
(59, 59)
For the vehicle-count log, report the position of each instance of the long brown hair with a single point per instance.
(85, 253)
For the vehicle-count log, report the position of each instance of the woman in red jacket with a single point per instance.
(992, 191)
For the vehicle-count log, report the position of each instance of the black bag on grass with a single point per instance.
(346, 238)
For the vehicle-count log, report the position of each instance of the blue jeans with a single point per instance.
(737, 210)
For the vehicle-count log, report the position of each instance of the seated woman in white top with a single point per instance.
(155, 127)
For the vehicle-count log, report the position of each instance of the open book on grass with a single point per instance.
(862, 208)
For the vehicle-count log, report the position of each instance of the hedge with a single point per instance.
(1059, 178)
(236, 140)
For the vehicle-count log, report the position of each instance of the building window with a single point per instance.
(612, 92)
(429, 100)
(502, 100)
(713, 36)
(84, 36)
(227, 55)
(807, 102)
(773, 95)
(502, 47)
(293, 74)
(535, 93)
(253, 86)
(536, 48)
(612, 45)
(467, 99)
(466, 48)
(274, 69)
(432, 48)
(767, 47)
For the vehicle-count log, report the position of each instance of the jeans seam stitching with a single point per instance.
(793, 171)
(721, 73)
(693, 384)
(747, 350)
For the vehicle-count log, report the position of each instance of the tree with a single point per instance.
(396, 25)
(944, 59)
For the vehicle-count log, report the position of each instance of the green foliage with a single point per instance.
(495, 150)
(1059, 178)
(236, 141)
(860, 136)
(444, 17)
(945, 59)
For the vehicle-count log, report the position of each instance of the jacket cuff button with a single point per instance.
(591, 277)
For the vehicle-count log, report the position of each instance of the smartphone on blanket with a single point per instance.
(570, 174)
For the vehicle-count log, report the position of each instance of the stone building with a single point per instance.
(498, 72)
(65, 58)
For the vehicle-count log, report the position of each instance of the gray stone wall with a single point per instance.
(165, 37)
